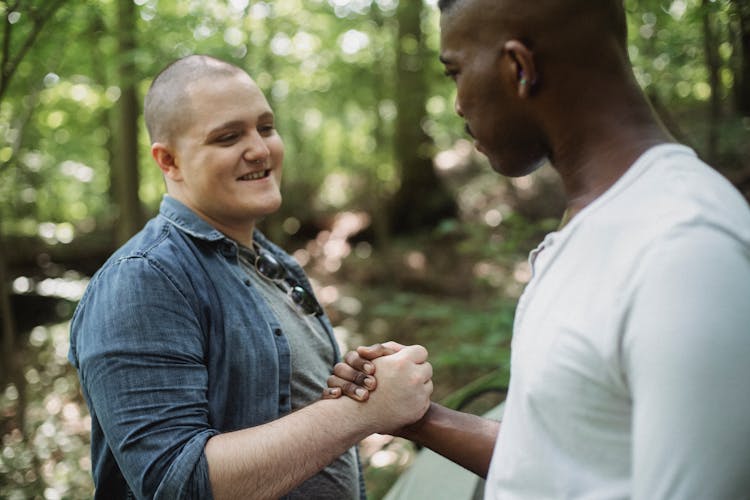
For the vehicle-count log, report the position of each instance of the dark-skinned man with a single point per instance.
(630, 344)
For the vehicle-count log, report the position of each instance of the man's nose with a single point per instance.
(256, 148)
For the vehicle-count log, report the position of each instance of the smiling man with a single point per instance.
(629, 358)
(200, 347)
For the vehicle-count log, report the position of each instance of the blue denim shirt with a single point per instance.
(173, 346)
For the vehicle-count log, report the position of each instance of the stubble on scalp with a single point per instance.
(561, 29)
(167, 108)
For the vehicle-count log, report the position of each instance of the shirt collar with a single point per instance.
(188, 221)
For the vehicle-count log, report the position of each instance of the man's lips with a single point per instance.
(476, 141)
(468, 130)
(254, 176)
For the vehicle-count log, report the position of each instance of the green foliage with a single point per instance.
(471, 335)
(324, 65)
(328, 68)
(666, 47)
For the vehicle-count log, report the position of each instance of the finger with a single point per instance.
(331, 393)
(353, 359)
(415, 353)
(392, 344)
(349, 374)
(423, 372)
(377, 350)
(348, 389)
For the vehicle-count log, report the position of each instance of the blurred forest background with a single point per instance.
(405, 230)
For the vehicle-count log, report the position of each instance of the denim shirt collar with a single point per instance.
(188, 221)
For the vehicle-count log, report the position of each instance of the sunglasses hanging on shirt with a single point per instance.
(270, 268)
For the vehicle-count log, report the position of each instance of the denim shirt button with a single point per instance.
(277, 332)
(246, 281)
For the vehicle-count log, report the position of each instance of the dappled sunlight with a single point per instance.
(323, 257)
(386, 455)
(494, 274)
(52, 233)
(353, 41)
(53, 446)
(459, 156)
(330, 247)
(522, 272)
(493, 217)
(69, 287)
(416, 261)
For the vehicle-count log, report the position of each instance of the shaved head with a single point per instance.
(560, 28)
(167, 103)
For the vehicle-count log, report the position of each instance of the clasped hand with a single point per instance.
(404, 379)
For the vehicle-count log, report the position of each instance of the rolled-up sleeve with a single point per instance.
(140, 348)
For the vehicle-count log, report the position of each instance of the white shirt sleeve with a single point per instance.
(686, 350)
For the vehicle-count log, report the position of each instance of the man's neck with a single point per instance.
(589, 171)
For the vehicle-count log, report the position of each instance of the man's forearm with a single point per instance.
(466, 439)
(269, 460)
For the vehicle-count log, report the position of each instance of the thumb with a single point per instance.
(377, 350)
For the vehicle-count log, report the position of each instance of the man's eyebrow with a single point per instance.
(226, 125)
(266, 115)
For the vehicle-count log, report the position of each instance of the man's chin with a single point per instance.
(514, 168)
(273, 206)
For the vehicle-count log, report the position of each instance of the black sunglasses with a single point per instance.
(270, 268)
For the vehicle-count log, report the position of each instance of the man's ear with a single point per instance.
(167, 162)
(523, 71)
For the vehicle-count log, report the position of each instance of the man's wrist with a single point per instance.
(354, 417)
(416, 431)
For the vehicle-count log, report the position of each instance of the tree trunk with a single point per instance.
(742, 77)
(8, 322)
(378, 197)
(713, 67)
(11, 56)
(12, 51)
(125, 176)
(421, 200)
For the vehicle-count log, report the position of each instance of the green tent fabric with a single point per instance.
(432, 477)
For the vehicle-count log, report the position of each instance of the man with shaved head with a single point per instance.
(200, 347)
(629, 359)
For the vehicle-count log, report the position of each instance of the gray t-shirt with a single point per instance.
(313, 357)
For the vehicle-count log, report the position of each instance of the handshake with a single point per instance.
(403, 379)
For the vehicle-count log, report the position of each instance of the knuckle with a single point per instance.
(341, 370)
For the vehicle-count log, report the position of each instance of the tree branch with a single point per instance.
(10, 64)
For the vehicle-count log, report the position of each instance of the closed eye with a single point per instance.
(227, 138)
